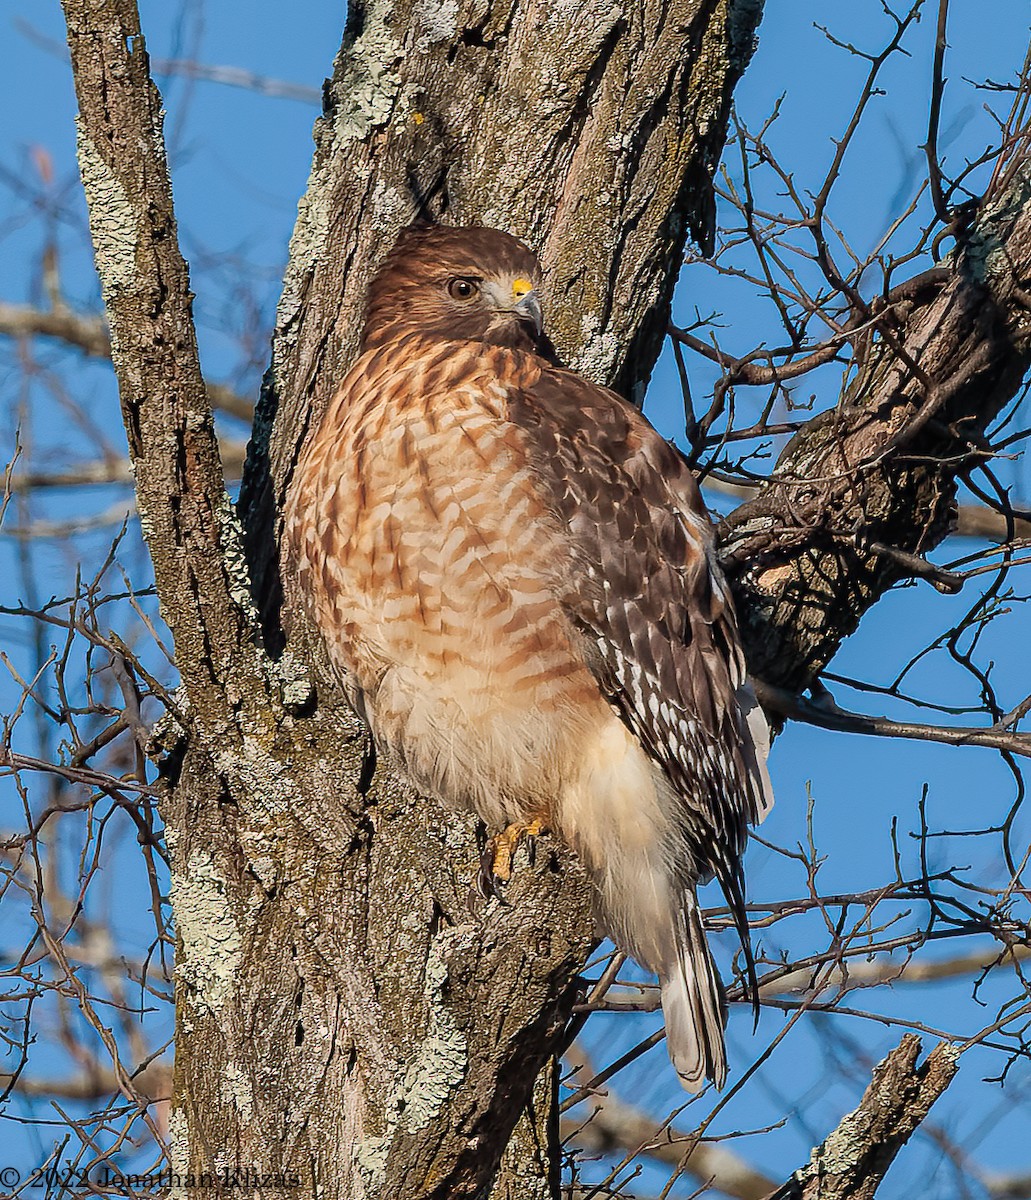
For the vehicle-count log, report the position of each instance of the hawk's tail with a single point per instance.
(694, 1005)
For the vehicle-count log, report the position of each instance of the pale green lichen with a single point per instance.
(112, 219)
(178, 1151)
(559, 14)
(368, 81)
(369, 1160)
(439, 1065)
(985, 251)
(307, 243)
(236, 1088)
(443, 1056)
(367, 86)
(266, 871)
(388, 207)
(434, 21)
(260, 775)
(837, 1153)
(850, 1141)
(166, 734)
(211, 944)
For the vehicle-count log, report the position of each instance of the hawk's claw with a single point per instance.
(488, 882)
(496, 860)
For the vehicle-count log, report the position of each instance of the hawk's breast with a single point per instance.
(436, 572)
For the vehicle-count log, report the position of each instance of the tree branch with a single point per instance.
(616, 1127)
(1000, 1186)
(885, 460)
(184, 510)
(885, 969)
(827, 715)
(86, 333)
(852, 1161)
(972, 520)
(89, 474)
(90, 335)
(977, 520)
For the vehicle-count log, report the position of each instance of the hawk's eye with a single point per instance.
(461, 289)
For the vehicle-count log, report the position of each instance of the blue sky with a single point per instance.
(240, 162)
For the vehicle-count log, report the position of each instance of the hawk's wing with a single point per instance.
(653, 609)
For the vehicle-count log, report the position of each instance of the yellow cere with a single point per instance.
(521, 287)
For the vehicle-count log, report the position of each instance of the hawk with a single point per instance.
(515, 578)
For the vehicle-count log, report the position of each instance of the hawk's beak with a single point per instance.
(528, 308)
(517, 298)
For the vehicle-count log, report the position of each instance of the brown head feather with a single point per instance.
(409, 293)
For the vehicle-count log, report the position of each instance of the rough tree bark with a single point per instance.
(342, 1018)
(851, 1161)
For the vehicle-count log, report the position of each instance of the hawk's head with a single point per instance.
(457, 283)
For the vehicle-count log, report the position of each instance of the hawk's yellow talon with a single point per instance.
(502, 847)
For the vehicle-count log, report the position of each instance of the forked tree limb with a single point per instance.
(848, 1165)
(881, 468)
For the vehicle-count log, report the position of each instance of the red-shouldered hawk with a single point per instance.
(515, 579)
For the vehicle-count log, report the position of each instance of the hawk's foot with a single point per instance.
(496, 862)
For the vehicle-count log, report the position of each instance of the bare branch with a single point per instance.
(154, 1082)
(1016, 1186)
(10, 761)
(229, 76)
(827, 715)
(852, 1161)
(888, 970)
(614, 1126)
(239, 78)
(90, 335)
(977, 520)
(184, 510)
(886, 460)
(972, 520)
(118, 471)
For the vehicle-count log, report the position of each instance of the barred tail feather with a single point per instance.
(694, 1005)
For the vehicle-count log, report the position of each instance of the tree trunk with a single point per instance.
(343, 1020)
(345, 1025)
